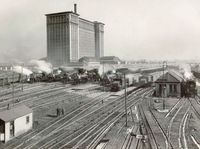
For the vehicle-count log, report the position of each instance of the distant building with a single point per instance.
(169, 84)
(5, 66)
(110, 60)
(70, 37)
(14, 122)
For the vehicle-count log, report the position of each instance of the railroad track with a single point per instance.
(176, 128)
(103, 112)
(194, 136)
(174, 108)
(162, 131)
(71, 116)
(8, 93)
(156, 138)
(12, 143)
(59, 121)
(29, 92)
(195, 106)
(114, 142)
(59, 130)
(65, 125)
(32, 97)
(93, 144)
(131, 141)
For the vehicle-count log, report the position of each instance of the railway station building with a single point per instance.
(70, 37)
(14, 122)
(169, 85)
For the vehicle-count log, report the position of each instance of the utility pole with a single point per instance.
(125, 99)
(163, 87)
(12, 84)
(103, 79)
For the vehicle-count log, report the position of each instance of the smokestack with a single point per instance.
(75, 8)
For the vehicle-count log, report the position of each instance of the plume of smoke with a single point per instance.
(67, 69)
(57, 72)
(105, 68)
(197, 83)
(22, 70)
(187, 71)
(41, 65)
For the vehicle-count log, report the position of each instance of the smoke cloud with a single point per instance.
(22, 70)
(187, 71)
(105, 68)
(42, 66)
(197, 83)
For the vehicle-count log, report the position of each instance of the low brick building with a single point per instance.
(14, 122)
(169, 84)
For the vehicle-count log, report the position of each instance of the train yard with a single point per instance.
(90, 115)
(91, 118)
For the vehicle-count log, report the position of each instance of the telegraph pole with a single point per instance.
(125, 99)
(163, 87)
(103, 79)
(12, 83)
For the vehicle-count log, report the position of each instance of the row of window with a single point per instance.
(173, 88)
(56, 19)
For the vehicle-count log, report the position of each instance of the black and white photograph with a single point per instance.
(100, 74)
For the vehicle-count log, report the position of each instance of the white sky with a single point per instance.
(134, 29)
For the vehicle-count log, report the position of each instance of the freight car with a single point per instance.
(8, 77)
(119, 82)
(116, 81)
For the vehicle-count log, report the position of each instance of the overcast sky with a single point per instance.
(134, 29)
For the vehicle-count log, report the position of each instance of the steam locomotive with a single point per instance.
(188, 88)
(76, 76)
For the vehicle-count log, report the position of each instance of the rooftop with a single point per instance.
(171, 76)
(67, 12)
(60, 13)
(14, 113)
(88, 59)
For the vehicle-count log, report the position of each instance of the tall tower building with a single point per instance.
(70, 37)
